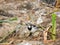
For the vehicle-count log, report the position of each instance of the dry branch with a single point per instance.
(45, 33)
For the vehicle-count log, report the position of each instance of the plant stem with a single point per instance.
(53, 31)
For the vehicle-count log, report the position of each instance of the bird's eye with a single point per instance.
(29, 28)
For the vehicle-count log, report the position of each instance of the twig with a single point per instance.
(11, 41)
(45, 33)
(9, 33)
(1, 40)
(39, 26)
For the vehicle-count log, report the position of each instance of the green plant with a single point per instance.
(53, 31)
(8, 20)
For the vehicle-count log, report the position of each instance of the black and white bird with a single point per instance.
(32, 28)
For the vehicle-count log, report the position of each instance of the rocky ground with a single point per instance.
(27, 12)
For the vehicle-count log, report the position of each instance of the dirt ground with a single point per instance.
(27, 11)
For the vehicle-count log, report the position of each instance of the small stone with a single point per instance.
(39, 20)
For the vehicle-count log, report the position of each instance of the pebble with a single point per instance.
(39, 20)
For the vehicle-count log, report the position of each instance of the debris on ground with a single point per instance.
(22, 22)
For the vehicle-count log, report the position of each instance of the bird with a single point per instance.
(32, 28)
